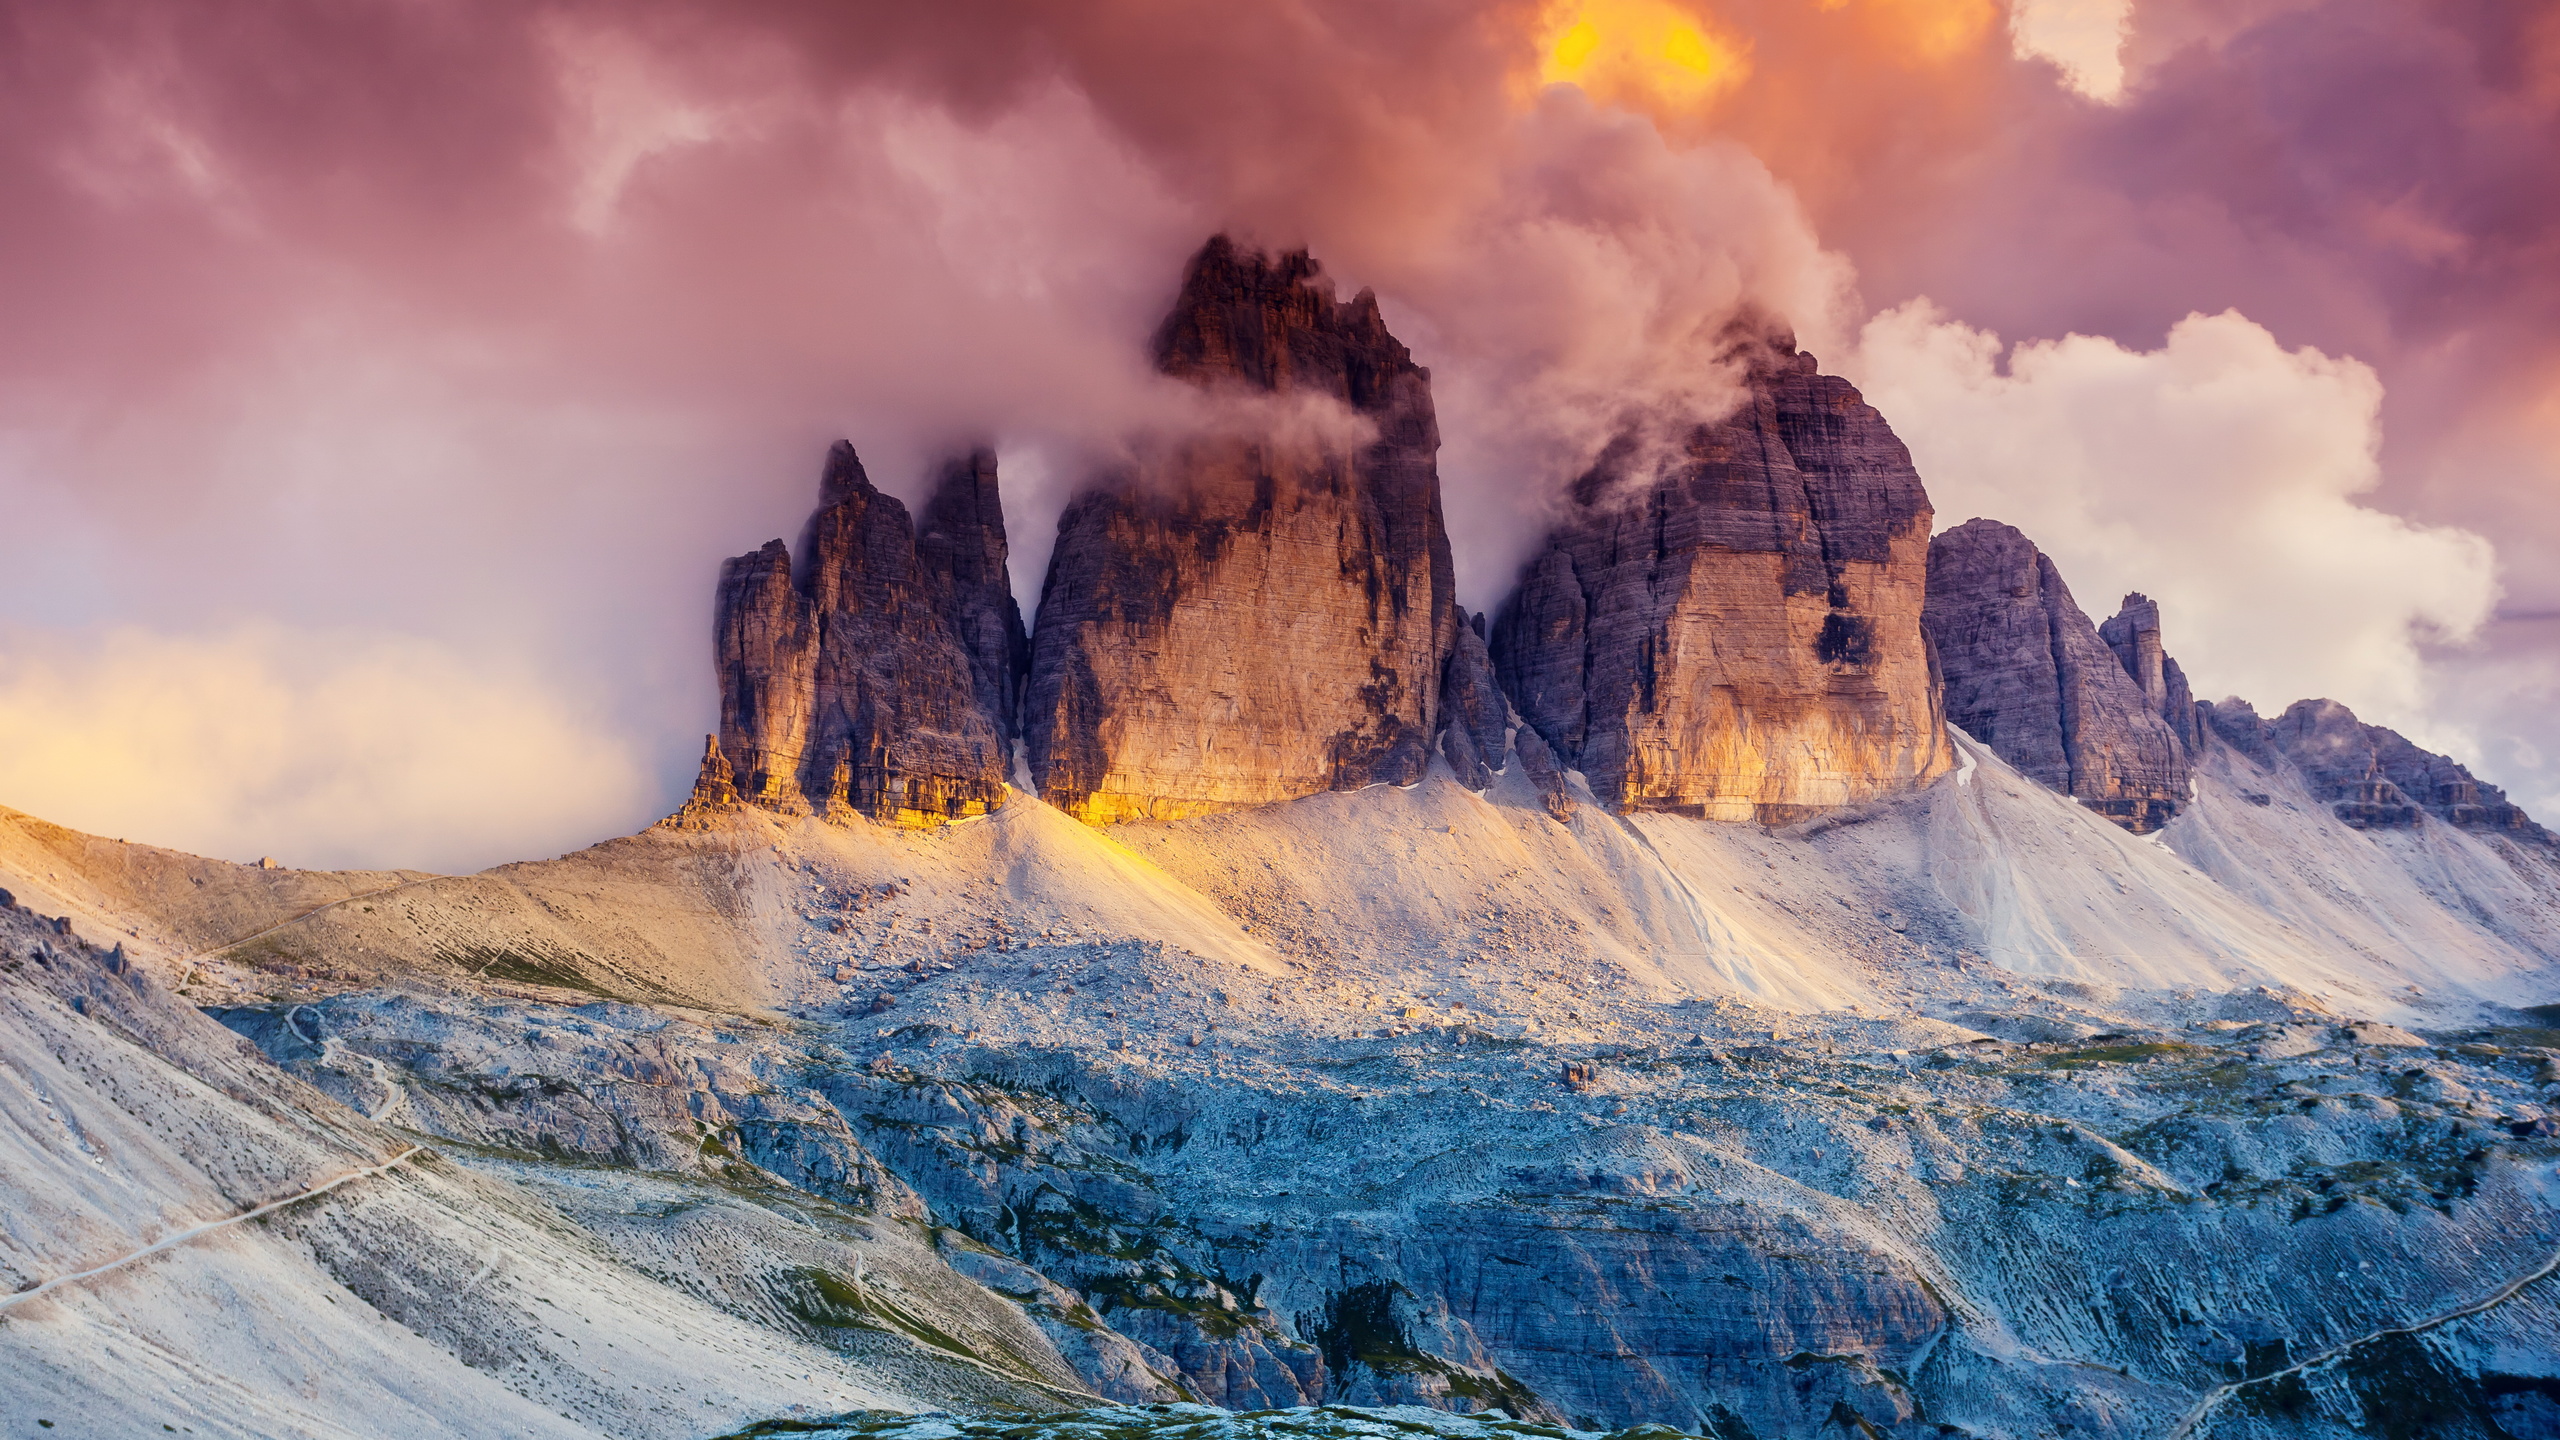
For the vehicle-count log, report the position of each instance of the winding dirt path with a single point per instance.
(197, 1232)
(188, 962)
(2188, 1422)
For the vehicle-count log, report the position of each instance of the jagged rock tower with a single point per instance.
(876, 680)
(1736, 635)
(2029, 676)
(1251, 616)
(2134, 634)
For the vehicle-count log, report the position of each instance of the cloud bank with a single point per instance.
(2221, 471)
(223, 745)
(491, 327)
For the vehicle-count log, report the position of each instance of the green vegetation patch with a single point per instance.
(824, 1300)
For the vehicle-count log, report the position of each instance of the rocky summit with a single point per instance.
(1360, 1021)
(1259, 609)
(2372, 776)
(2029, 676)
(875, 679)
(1733, 631)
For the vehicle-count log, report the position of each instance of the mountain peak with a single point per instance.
(1273, 322)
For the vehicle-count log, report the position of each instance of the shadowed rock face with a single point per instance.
(1738, 637)
(1252, 615)
(848, 689)
(1474, 718)
(2027, 674)
(960, 544)
(2373, 777)
(2134, 634)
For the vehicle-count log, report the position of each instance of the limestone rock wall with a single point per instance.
(1737, 634)
(2373, 777)
(1474, 718)
(846, 688)
(2029, 676)
(2134, 634)
(1251, 615)
(960, 546)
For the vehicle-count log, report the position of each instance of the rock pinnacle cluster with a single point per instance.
(870, 679)
(1739, 617)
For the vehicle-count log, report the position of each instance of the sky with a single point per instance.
(382, 381)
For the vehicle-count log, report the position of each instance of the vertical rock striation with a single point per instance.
(1737, 635)
(2374, 778)
(1261, 612)
(2029, 676)
(960, 545)
(849, 689)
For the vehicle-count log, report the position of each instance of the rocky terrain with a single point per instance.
(1683, 1002)
(1972, 1111)
(198, 1242)
(1308, 518)
(1734, 632)
(2029, 676)
(2372, 776)
(2134, 633)
(875, 680)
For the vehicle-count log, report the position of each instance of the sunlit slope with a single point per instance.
(1894, 905)
(178, 902)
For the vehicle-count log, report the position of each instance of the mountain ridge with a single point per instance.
(1399, 1009)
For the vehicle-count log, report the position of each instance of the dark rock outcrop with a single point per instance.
(960, 545)
(1474, 718)
(2027, 674)
(847, 689)
(1735, 632)
(2373, 777)
(2134, 634)
(1261, 610)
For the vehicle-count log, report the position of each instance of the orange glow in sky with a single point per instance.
(1644, 54)
(1925, 29)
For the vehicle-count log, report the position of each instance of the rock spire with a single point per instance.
(1262, 609)
(1735, 634)
(2134, 634)
(873, 681)
(960, 546)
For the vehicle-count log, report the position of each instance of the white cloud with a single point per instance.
(1591, 291)
(2084, 37)
(354, 751)
(2218, 474)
